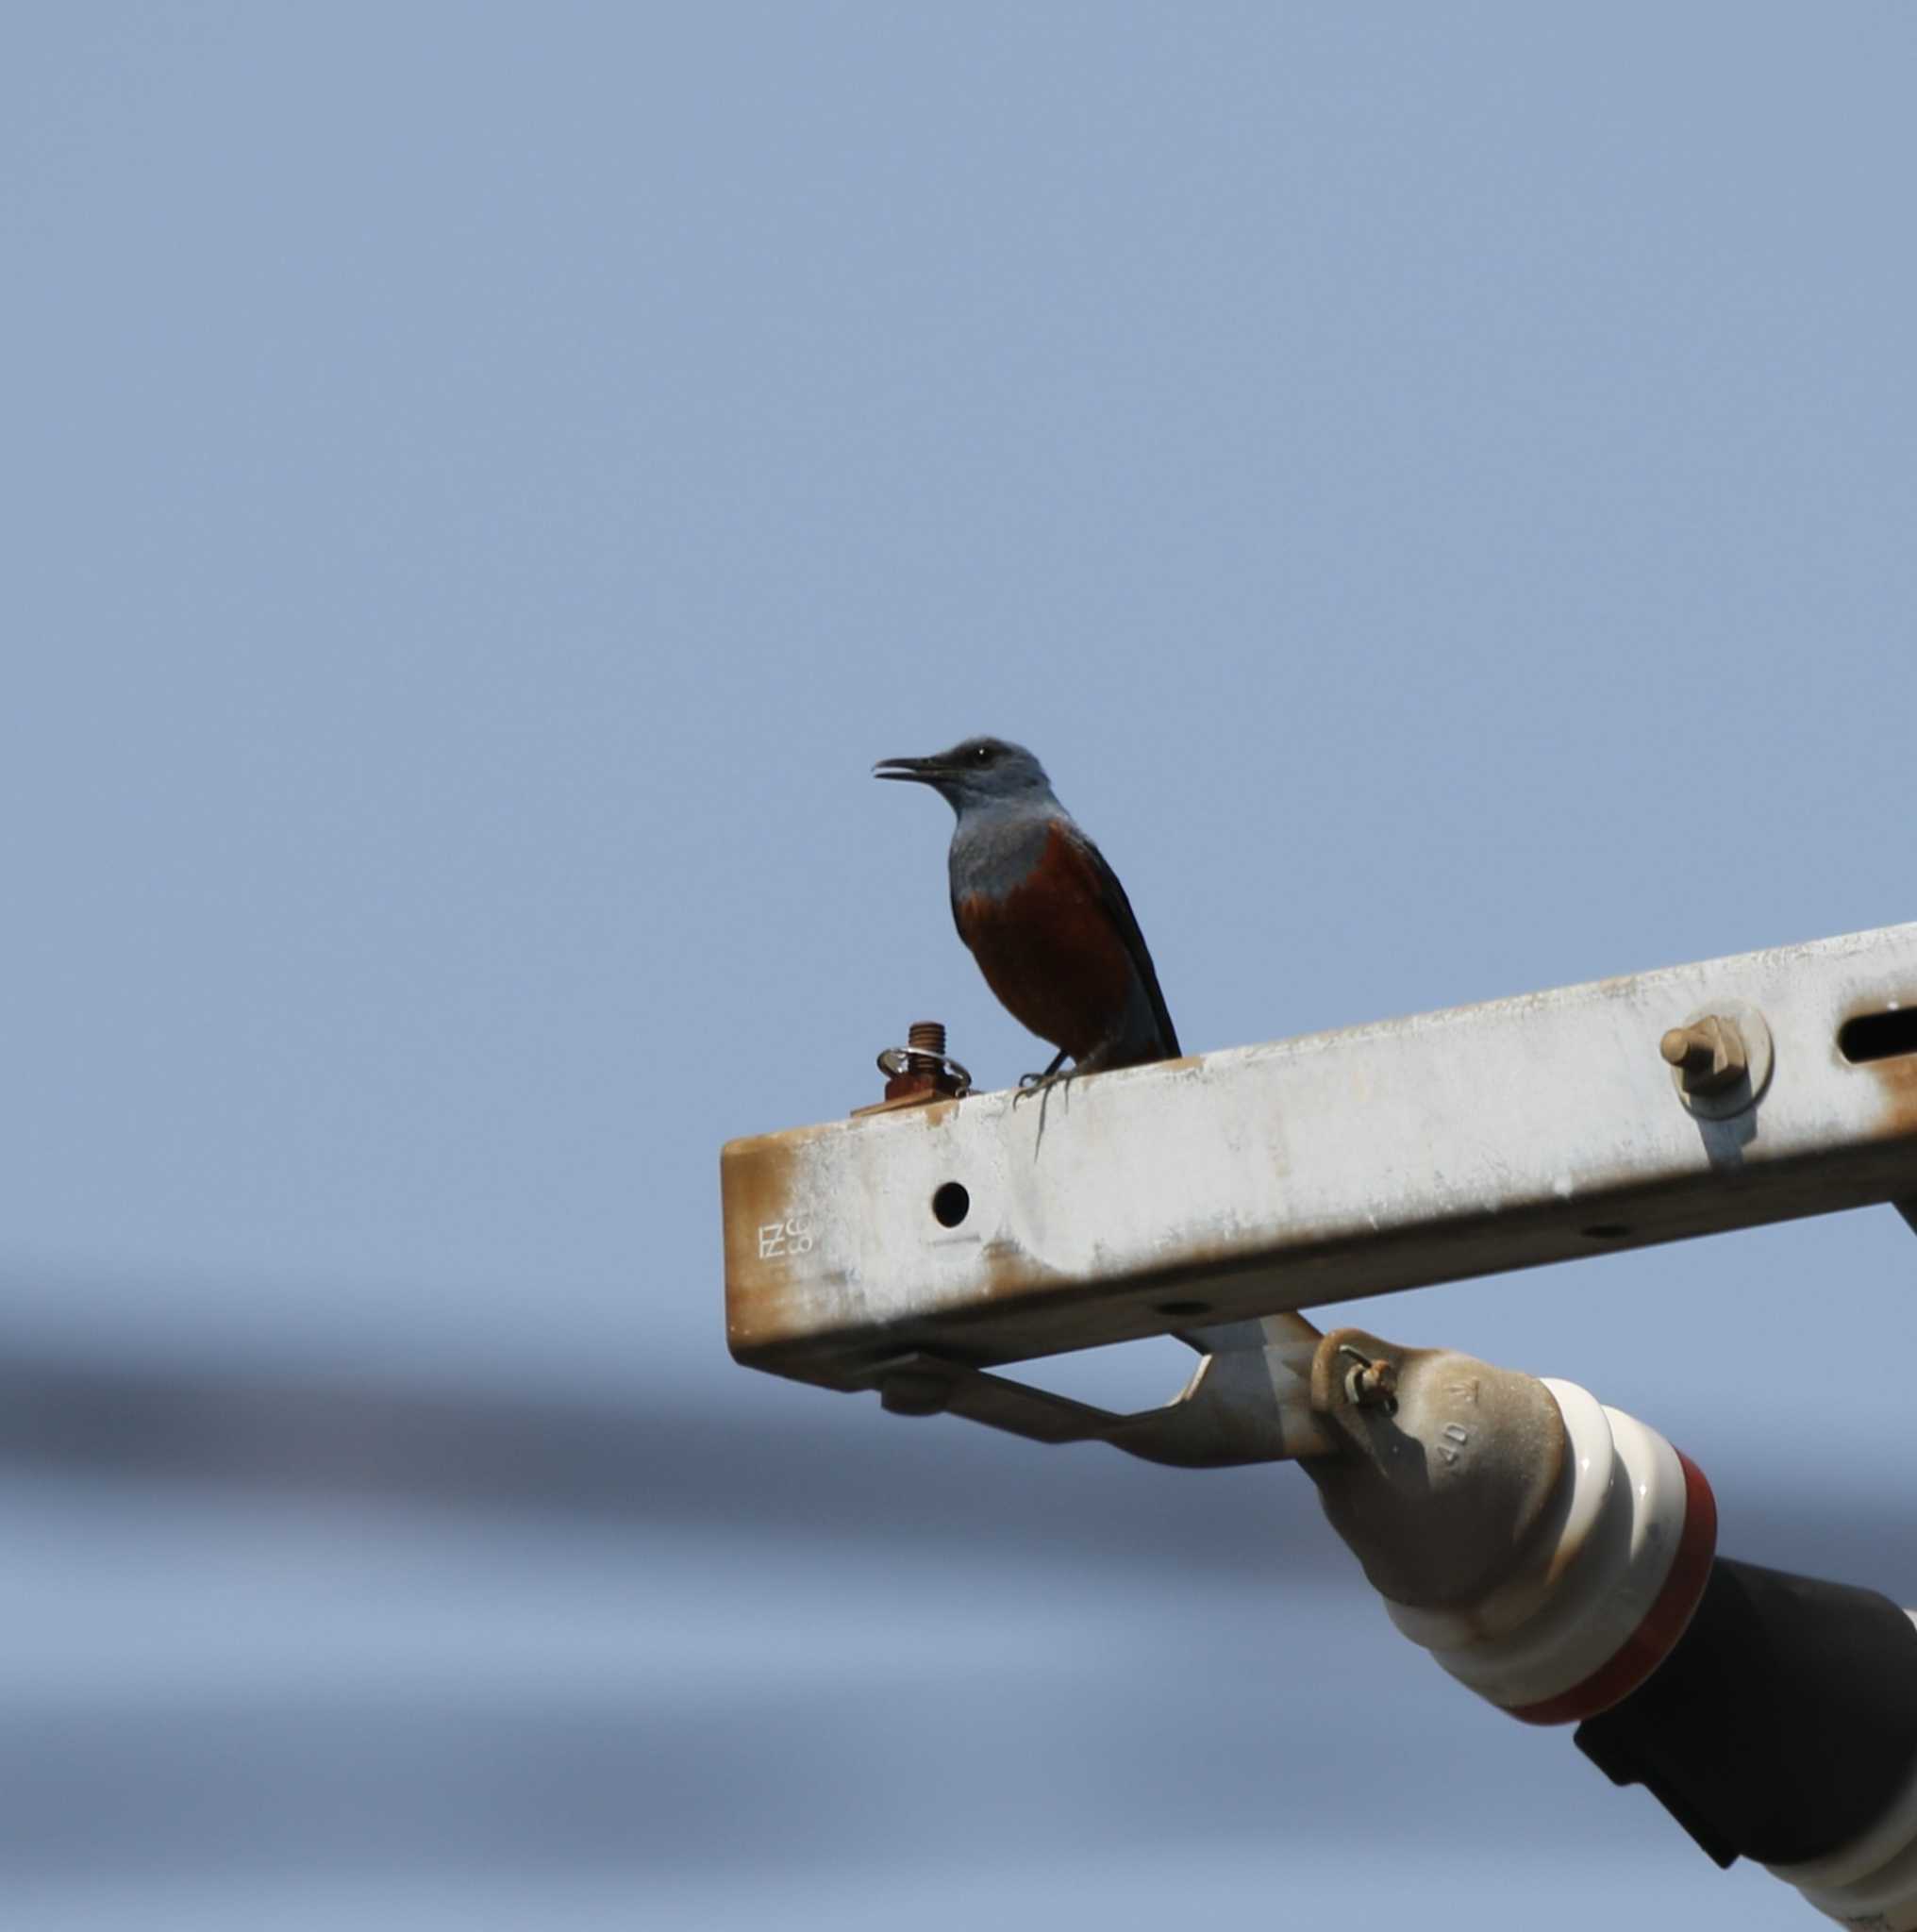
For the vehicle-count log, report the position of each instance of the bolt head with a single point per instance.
(1710, 1053)
(909, 1391)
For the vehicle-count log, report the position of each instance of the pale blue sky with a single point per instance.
(1436, 486)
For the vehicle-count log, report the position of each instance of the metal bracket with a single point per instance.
(1249, 1400)
(1223, 1188)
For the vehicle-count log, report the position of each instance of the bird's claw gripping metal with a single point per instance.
(1039, 1082)
(1043, 1085)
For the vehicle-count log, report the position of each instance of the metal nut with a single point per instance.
(1710, 1053)
(1721, 1059)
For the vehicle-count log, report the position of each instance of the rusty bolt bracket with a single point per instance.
(1710, 1053)
(919, 1071)
(1370, 1383)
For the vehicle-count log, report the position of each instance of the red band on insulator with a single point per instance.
(1664, 1623)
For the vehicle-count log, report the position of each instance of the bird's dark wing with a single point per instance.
(1125, 923)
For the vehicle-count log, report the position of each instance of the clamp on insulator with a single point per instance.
(1558, 1558)
(1604, 1592)
(1547, 1551)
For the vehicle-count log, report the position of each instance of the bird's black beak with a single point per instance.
(920, 771)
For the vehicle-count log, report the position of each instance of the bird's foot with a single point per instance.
(1044, 1087)
(1039, 1082)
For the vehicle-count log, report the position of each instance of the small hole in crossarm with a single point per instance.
(951, 1204)
(1604, 1231)
(1878, 1036)
(1184, 1307)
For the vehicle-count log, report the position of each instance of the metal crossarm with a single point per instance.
(1234, 1184)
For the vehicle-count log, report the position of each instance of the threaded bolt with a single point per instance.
(925, 1045)
(1710, 1053)
(1686, 1047)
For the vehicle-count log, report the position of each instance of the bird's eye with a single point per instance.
(982, 754)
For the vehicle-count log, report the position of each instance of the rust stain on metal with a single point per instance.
(933, 1113)
(1896, 1081)
(1010, 1271)
(1896, 1076)
(765, 1221)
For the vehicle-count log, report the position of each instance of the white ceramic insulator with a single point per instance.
(1871, 1882)
(1592, 1614)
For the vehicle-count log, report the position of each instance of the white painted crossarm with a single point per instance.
(1241, 1183)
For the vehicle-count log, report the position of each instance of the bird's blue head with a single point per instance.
(979, 774)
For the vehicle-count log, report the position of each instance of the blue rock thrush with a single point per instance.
(1043, 914)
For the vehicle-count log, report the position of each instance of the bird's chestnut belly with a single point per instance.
(1049, 952)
